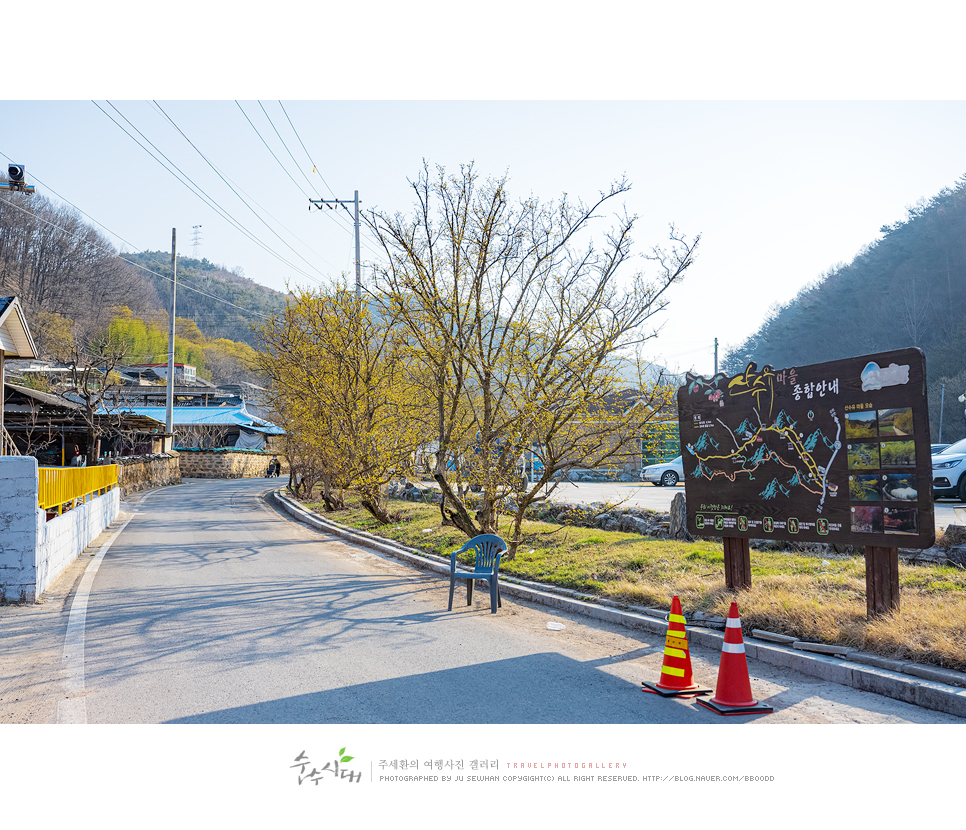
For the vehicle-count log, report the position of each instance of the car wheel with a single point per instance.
(962, 487)
(669, 479)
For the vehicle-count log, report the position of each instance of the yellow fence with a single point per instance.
(61, 486)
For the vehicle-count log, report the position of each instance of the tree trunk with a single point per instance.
(458, 516)
(377, 510)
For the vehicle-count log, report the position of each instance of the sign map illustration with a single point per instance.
(835, 452)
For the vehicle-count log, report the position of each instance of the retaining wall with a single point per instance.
(225, 463)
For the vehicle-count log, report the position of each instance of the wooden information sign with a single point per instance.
(833, 452)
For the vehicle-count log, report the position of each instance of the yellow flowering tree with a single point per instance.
(339, 384)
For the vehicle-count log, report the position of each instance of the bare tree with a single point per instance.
(518, 319)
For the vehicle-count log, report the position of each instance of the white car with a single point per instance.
(666, 474)
(949, 472)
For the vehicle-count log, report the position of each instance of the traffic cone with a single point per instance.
(732, 694)
(676, 678)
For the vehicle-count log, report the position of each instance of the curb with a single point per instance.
(859, 671)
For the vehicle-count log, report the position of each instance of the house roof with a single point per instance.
(15, 339)
(228, 416)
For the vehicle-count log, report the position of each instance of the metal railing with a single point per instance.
(65, 486)
(9, 448)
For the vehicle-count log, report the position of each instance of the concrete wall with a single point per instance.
(19, 485)
(33, 551)
(60, 541)
(223, 463)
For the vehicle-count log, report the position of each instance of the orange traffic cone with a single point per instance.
(676, 678)
(732, 695)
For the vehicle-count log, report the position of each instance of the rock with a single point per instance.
(633, 524)
(678, 528)
(953, 536)
(957, 556)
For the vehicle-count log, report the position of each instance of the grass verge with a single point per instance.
(812, 597)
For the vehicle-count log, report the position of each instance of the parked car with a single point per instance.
(935, 449)
(666, 474)
(949, 472)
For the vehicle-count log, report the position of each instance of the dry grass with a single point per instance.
(813, 597)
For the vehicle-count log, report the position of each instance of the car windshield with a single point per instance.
(959, 446)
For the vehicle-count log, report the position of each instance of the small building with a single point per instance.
(15, 342)
(184, 373)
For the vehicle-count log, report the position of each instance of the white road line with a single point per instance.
(73, 709)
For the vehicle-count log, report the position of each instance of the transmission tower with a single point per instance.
(195, 239)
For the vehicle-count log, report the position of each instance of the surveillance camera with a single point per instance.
(962, 398)
(16, 172)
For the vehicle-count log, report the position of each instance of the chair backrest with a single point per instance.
(488, 547)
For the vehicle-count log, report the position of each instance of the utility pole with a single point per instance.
(716, 355)
(343, 202)
(169, 405)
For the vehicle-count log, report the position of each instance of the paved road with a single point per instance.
(210, 607)
(659, 498)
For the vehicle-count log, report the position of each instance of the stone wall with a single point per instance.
(145, 472)
(223, 463)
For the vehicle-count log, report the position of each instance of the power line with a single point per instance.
(243, 201)
(131, 262)
(315, 170)
(197, 190)
(270, 150)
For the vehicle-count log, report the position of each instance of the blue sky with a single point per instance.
(785, 137)
(779, 190)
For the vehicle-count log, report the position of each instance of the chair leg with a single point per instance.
(494, 596)
(452, 587)
(469, 591)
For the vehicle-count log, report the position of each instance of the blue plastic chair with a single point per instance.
(489, 549)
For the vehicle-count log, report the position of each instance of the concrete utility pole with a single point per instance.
(716, 355)
(169, 405)
(343, 202)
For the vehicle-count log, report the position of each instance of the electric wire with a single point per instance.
(182, 177)
(181, 283)
(235, 191)
(315, 169)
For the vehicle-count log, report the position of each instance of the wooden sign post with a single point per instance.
(737, 563)
(881, 580)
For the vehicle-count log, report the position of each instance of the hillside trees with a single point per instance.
(338, 382)
(56, 263)
(906, 289)
(523, 325)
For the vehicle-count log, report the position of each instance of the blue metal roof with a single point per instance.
(216, 416)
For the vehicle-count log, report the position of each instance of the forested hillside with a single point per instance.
(66, 273)
(250, 303)
(906, 289)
